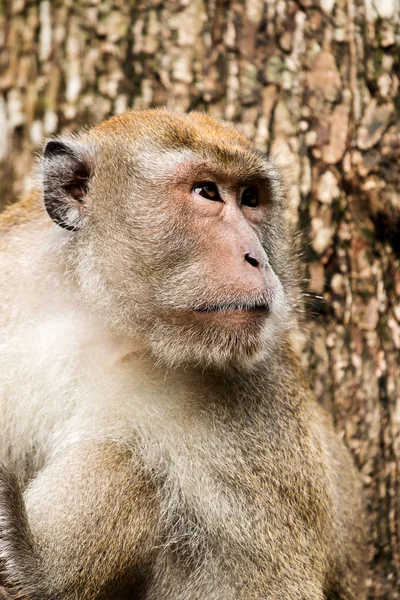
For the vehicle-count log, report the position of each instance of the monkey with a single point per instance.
(159, 438)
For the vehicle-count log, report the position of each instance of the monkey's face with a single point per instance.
(217, 295)
(183, 244)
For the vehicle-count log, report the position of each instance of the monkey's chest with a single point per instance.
(255, 529)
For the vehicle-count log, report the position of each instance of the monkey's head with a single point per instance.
(177, 235)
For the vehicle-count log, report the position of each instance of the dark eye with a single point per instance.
(249, 198)
(207, 189)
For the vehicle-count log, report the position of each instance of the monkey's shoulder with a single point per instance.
(27, 209)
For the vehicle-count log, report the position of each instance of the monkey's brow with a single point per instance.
(185, 164)
(191, 170)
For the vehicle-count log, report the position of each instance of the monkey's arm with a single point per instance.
(89, 530)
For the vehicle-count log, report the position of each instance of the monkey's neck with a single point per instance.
(237, 392)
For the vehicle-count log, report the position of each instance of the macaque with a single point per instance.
(159, 440)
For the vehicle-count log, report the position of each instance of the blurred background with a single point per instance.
(316, 83)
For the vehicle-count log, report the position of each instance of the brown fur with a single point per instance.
(20, 213)
(187, 458)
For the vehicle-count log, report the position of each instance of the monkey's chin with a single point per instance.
(217, 339)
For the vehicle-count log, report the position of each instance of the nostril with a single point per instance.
(251, 260)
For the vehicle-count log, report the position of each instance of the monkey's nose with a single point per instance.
(251, 260)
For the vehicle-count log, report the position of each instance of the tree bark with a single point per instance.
(315, 82)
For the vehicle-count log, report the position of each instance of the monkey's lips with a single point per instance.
(233, 307)
(231, 312)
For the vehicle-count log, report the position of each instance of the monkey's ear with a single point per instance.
(67, 168)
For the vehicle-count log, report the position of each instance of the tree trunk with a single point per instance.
(315, 82)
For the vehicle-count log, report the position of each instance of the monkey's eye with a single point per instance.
(207, 189)
(249, 198)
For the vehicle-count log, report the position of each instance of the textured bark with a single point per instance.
(315, 82)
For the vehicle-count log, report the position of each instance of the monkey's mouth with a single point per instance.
(233, 307)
